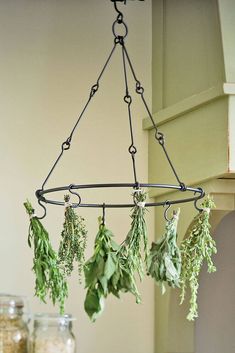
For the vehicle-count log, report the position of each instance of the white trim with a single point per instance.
(229, 88)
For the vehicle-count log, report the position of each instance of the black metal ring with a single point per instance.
(114, 29)
(198, 194)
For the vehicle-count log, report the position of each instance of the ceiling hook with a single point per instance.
(120, 14)
(75, 205)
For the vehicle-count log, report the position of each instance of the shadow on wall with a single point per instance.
(216, 322)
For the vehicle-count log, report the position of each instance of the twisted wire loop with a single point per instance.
(136, 186)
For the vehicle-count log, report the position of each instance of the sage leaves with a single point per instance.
(49, 278)
(197, 246)
(73, 242)
(112, 268)
(164, 261)
(99, 270)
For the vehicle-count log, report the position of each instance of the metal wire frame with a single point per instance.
(198, 193)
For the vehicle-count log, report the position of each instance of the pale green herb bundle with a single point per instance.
(197, 246)
(49, 279)
(134, 250)
(124, 278)
(164, 261)
(73, 243)
(99, 270)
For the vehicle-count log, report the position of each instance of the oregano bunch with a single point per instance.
(197, 246)
(73, 241)
(49, 279)
(164, 261)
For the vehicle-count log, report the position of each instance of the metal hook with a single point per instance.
(199, 209)
(75, 205)
(45, 210)
(120, 14)
(103, 218)
(167, 205)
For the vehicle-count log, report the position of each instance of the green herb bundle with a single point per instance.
(73, 242)
(136, 242)
(99, 270)
(123, 279)
(164, 261)
(49, 279)
(197, 246)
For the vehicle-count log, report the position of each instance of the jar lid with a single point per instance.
(9, 300)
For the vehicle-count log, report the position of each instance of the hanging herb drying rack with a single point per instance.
(113, 268)
(43, 194)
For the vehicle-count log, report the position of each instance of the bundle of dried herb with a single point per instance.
(197, 246)
(134, 250)
(99, 270)
(73, 242)
(164, 261)
(123, 280)
(49, 279)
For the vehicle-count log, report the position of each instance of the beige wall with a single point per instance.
(50, 55)
(215, 325)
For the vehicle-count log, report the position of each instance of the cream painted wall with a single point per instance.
(215, 325)
(50, 55)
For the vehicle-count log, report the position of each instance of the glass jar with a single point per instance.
(13, 329)
(52, 334)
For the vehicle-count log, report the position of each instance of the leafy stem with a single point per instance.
(49, 278)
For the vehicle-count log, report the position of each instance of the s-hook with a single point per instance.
(45, 210)
(167, 206)
(103, 217)
(200, 197)
(75, 205)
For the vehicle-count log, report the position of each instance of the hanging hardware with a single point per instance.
(167, 207)
(43, 194)
(103, 217)
(75, 193)
(44, 208)
(199, 209)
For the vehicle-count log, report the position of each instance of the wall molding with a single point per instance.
(189, 104)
